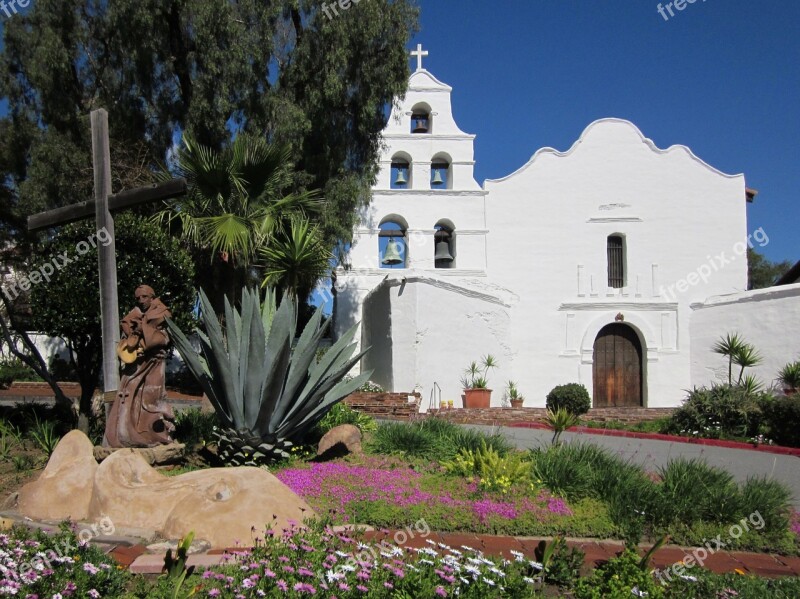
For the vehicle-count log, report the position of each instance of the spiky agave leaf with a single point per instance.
(267, 393)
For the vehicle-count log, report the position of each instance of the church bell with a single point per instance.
(443, 251)
(437, 177)
(401, 178)
(420, 124)
(392, 253)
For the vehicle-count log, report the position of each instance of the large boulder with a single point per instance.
(340, 440)
(224, 506)
(64, 489)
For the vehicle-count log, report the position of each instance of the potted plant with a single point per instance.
(789, 376)
(514, 395)
(476, 386)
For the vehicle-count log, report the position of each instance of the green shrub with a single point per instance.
(408, 440)
(782, 420)
(343, 414)
(720, 411)
(15, 370)
(572, 397)
(433, 438)
(692, 491)
(495, 472)
(620, 578)
(193, 426)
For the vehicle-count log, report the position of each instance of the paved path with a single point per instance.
(652, 454)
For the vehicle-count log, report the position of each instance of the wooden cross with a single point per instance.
(419, 53)
(101, 206)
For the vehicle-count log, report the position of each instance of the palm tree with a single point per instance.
(236, 205)
(729, 346)
(296, 258)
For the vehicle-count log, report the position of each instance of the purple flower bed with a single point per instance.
(335, 485)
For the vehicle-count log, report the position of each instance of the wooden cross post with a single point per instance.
(102, 205)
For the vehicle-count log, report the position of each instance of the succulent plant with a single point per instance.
(266, 394)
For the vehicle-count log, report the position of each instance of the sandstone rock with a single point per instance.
(197, 546)
(64, 489)
(345, 435)
(155, 456)
(221, 505)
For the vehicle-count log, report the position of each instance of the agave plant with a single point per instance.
(266, 394)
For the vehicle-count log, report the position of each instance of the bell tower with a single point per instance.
(427, 211)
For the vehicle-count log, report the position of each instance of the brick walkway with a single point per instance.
(597, 552)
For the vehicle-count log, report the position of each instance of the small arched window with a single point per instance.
(392, 247)
(444, 239)
(615, 249)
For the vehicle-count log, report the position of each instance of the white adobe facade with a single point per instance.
(581, 266)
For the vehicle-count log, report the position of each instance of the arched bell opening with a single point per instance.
(392, 246)
(421, 119)
(401, 171)
(441, 171)
(444, 245)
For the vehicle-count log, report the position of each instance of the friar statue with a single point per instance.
(140, 415)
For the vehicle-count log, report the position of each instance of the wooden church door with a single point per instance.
(617, 368)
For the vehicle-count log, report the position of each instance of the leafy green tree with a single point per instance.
(761, 272)
(280, 70)
(68, 306)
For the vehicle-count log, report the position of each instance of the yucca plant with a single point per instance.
(560, 420)
(267, 395)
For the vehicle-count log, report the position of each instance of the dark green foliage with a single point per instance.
(720, 411)
(693, 491)
(281, 70)
(690, 493)
(572, 397)
(433, 439)
(617, 579)
(782, 420)
(68, 305)
(15, 370)
(731, 586)
(762, 272)
(344, 414)
(193, 426)
(561, 565)
(267, 394)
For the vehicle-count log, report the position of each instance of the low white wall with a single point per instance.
(768, 318)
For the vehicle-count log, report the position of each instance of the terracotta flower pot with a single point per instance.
(516, 403)
(477, 398)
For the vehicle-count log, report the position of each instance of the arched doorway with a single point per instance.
(617, 368)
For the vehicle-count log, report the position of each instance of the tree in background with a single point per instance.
(68, 305)
(761, 272)
(279, 70)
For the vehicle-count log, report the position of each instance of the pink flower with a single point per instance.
(215, 592)
(441, 592)
(281, 584)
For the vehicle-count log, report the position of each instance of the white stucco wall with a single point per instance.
(769, 319)
(673, 210)
(536, 242)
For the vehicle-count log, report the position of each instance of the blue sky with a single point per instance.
(721, 77)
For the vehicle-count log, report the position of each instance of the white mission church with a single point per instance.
(615, 264)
